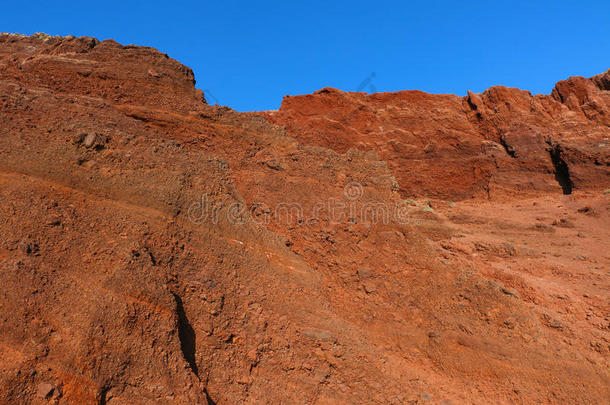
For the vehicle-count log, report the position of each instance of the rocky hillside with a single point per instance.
(349, 248)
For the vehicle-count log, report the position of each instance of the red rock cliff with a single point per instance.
(504, 141)
(155, 249)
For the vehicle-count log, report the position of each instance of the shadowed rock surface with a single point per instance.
(349, 248)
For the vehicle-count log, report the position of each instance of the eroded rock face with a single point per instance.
(89, 68)
(497, 143)
(154, 248)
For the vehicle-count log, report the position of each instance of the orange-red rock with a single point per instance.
(483, 145)
(155, 249)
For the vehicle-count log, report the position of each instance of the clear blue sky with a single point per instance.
(249, 54)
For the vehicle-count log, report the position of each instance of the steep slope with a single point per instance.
(155, 248)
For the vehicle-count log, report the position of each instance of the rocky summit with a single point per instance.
(349, 248)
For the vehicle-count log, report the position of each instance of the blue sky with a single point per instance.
(249, 54)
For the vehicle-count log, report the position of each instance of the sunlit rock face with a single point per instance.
(349, 248)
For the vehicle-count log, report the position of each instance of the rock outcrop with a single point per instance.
(156, 249)
(501, 142)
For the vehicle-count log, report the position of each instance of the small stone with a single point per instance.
(274, 164)
(369, 286)
(510, 291)
(364, 273)
(89, 140)
(54, 221)
(433, 334)
(586, 210)
(89, 164)
(427, 208)
(429, 148)
(244, 380)
(528, 252)
(320, 375)
(509, 248)
(154, 74)
(564, 223)
(44, 390)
